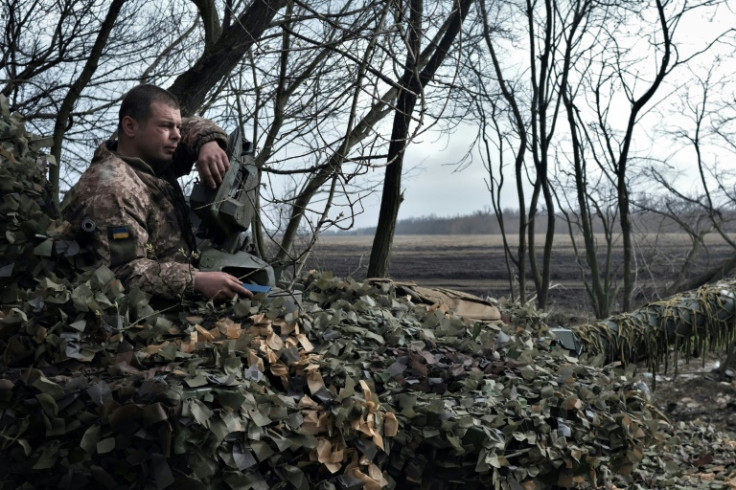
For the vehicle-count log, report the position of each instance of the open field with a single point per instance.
(476, 264)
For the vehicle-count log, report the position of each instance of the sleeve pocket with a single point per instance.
(122, 244)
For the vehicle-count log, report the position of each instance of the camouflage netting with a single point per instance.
(692, 321)
(360, 388)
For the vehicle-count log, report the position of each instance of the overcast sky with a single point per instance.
(433, 185)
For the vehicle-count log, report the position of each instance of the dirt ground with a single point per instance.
(475, 264)
(698, 393)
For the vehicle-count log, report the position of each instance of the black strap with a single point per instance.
(176, 196)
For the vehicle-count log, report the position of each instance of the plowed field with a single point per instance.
(476, 263)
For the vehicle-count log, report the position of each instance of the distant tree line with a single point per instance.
(483, 222)
(477, 223)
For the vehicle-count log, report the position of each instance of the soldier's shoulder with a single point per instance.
(106, 175)
(111, 168)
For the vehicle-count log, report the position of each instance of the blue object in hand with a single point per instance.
(256, 288)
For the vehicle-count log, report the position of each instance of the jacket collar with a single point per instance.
(109, 148)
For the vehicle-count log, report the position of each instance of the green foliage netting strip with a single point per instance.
(692, 321)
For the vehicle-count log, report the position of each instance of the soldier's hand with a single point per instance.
(219, 285)
(212, 164)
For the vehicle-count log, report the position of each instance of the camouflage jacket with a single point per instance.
(135, 220)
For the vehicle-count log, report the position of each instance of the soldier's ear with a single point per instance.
(129, 126)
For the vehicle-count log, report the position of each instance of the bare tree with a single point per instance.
(412, 83)
(533, 101)
(75, 90)
(494, 138)
(705, 119)
(580, 65)
(620, 157)
(329, 119)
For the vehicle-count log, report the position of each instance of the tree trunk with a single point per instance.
(598, 294)
(391, 199)
(621, 173)
(518, 121)
(714, 274)
(192, 86)
(299, 206)
(63, 118)
(380, 109)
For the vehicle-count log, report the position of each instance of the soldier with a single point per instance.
(130, 207)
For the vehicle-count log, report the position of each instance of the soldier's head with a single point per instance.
(148, 125)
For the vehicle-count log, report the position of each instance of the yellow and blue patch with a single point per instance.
(122, 244)
(120, 232)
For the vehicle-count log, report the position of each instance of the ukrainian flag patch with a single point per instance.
(122, 244)
(120, 232)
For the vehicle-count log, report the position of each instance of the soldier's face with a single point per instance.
(157, 138)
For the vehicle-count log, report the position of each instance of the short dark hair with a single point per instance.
(137, 102)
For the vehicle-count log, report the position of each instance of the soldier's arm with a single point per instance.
(212, 164)
(120, 242)
(196, 133)
(113, 205)
(219, 285)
